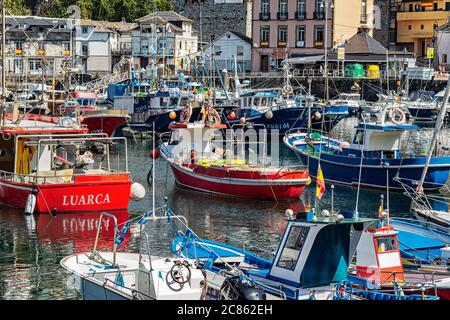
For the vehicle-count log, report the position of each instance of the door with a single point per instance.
(264, 63)
(424, 48)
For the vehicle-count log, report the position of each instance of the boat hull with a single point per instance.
(104, 123)
(85, 194)
(245, 188)
(345, 170)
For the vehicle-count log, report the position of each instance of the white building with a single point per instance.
(176, 41)
(225, 48)
(443, 45)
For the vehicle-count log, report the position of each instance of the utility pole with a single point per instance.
(327, 4)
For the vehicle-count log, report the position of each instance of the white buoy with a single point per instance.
(325, 213)
(242, 120)
(339, 218)
(289, 213)
(30, 204)
(269, 115)
(317, 115)
(137, 192)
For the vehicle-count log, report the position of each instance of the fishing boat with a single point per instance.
(97, 119)
(310, 263)
(373, 159)
(379, 264)
(53, 165)
(200, 163)
(121, 275)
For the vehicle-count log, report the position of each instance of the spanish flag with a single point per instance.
(203, 113)
(320, 184)
(380, 209)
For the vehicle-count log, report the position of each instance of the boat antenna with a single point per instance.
(437, 128)
(154, 173)
(3, 96)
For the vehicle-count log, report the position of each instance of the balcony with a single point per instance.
(41, 52)
(264, 43)
(66, 52)
(19, 51)
(264, 16)
(282, 15)
(423, 15)
(282, 44)
(319, 15)
(300, 15)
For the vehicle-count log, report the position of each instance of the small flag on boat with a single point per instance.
(119, 279)
(125, 229)
(203, 112)
(143, 219)
(320, 184)
(119, 239)
(380, 209)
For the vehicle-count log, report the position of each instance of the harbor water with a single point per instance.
(31, 247)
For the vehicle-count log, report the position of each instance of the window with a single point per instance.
(282, 33)
(359, 137)
(40, 46)
(217, 50)
(265, 6)
(66, 46)
(409, 27)
(301, 8)
(386, 244)
(283, 7)
(320, 6)
(421, 26)
(364, 11)
(319, 33)
(435, 6)
(84, 49)
(18, 66)
(34, 65)
(300, 43)
(444, 58)
(292, 248)
(84, 29)
(265, 30)
(40, 29)
(19, 45)
(447, 6)
(239, 51)
(411, 7)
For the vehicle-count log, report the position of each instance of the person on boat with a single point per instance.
(186, 113)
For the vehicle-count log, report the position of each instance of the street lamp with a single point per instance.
(326, 4)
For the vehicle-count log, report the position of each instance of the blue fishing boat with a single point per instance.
(311, 262)
(373, 159)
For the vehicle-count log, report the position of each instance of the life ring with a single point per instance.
(397, 112)
(287, 89)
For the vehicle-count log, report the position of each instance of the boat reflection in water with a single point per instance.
(79, 229)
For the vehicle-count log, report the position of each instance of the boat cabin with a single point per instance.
(377, 141)
(378, 257)
(316, 251)
(257, 100)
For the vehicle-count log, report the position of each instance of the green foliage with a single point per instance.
(110, 10)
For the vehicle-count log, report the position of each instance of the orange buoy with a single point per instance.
(172, 115)
(154, 154)
(231, 116)
(193, 154)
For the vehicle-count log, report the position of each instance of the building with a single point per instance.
(417, 23)
(225, 48)
(36, 47)
(214, 17)
(287, 27)
(443, 45)
(169, 37)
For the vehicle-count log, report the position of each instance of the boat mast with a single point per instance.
(437, 128)
(327, 4)
(3, 97)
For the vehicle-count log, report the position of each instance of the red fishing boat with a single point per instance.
(50, 165)
(97, 119)
(199, 163)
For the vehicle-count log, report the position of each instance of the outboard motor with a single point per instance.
(236, 288)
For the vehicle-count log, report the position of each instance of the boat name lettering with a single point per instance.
(83, 200)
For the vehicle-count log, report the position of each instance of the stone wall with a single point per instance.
(217, 18)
